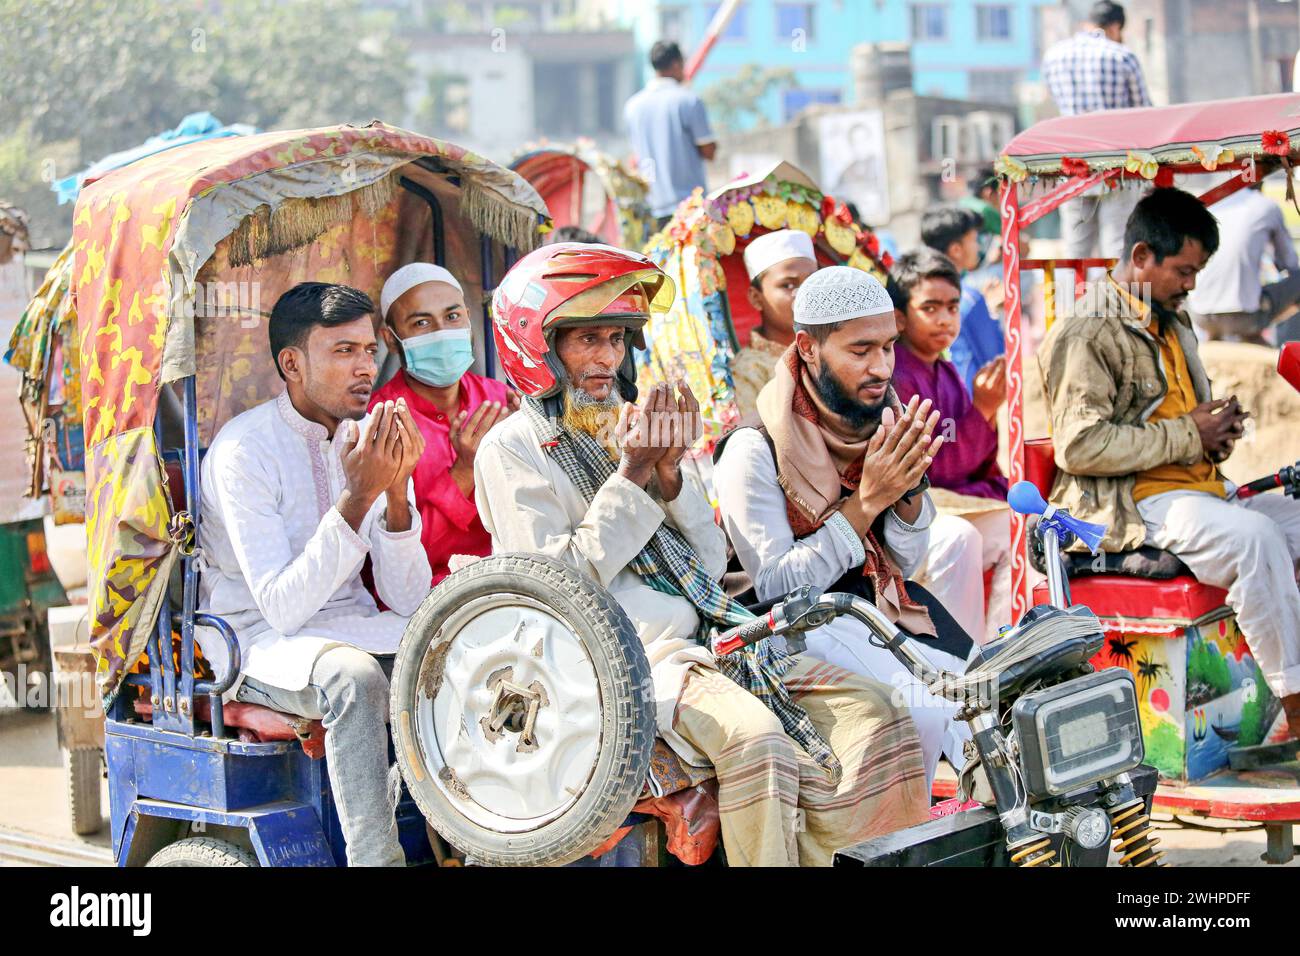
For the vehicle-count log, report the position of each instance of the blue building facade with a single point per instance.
(960, 49)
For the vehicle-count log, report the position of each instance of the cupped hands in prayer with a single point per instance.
(1220, 423)
(466, 433)
(655, 437)
(990, 388)
(380, 461)
(897, 457)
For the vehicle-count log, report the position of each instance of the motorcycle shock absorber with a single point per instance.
(1034, 851)
(1133, 837)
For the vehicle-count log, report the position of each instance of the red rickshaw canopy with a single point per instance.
(1168, 133)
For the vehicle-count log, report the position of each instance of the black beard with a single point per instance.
(857, 415)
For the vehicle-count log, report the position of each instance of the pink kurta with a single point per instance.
(449, 518)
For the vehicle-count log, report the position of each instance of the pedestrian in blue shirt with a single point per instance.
(670, 133)
(979, 347)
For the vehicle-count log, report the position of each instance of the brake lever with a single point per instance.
(799, 605)
(790, 618)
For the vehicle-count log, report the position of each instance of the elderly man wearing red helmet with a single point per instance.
(809, 757)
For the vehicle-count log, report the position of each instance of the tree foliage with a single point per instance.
(737, 101)
(107, 74)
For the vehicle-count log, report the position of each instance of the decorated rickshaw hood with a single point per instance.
(1185, 134)
(701, 249)
(140, 236)
(557, 171)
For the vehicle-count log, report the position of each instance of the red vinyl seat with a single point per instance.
(257, 723)
(1123, 595)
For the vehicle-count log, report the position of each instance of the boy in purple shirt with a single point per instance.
(953, 231)
(927, 300)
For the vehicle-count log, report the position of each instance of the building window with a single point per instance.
(735, 29)
(993, 22)
(929, 21)
(672, 24)
(795, 16)
(994, 86)
(986, 134)
(794, 101)
(446, 106)
(945, 138)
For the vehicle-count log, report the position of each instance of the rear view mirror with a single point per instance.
(1288, 364)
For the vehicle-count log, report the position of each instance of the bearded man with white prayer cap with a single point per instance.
(777, 263)
(427, 325)
(825, 485)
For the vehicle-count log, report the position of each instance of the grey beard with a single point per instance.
(581, 400)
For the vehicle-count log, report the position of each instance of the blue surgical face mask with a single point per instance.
(439, 358)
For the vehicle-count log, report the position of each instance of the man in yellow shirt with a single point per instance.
(1139, 439)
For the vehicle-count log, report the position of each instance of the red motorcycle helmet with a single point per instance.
(567, 284)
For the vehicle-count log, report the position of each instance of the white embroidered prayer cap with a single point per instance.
(840, 294)
(408, 277)
(774, 247)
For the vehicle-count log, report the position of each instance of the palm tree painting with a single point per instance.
(1121, 650)
(1149, 671)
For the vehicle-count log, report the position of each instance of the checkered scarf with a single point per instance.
(669, 564)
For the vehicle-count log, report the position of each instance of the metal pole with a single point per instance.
(489, 283)
(190, 589)
(1010, 208)
(1055, 573)
(717, 26)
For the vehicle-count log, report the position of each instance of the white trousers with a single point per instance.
(1093, 225)
(1250, 547)
(845, 643)
(961, 550)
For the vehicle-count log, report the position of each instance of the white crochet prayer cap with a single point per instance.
(408, 277)
(840, 294)
(774, 247)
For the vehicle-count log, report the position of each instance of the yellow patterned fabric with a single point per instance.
(126, 536)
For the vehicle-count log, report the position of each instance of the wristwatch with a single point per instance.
(921, 486)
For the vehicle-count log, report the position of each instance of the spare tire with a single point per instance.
(522, 711)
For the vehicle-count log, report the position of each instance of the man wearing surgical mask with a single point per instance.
(427, 325)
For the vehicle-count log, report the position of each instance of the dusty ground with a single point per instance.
(33, 791)
(1185, 846)
(33, 806)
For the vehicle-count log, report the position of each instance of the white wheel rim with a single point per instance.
(502, 780)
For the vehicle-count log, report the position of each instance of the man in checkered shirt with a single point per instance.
(1090, 71)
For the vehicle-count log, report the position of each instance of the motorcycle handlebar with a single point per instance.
(823, 609)
(1286, 479)
(1259, 486)
(743, 635)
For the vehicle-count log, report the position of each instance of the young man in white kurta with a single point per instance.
(284, 533)
(755, 501)
(280, 564)
(753, 510)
